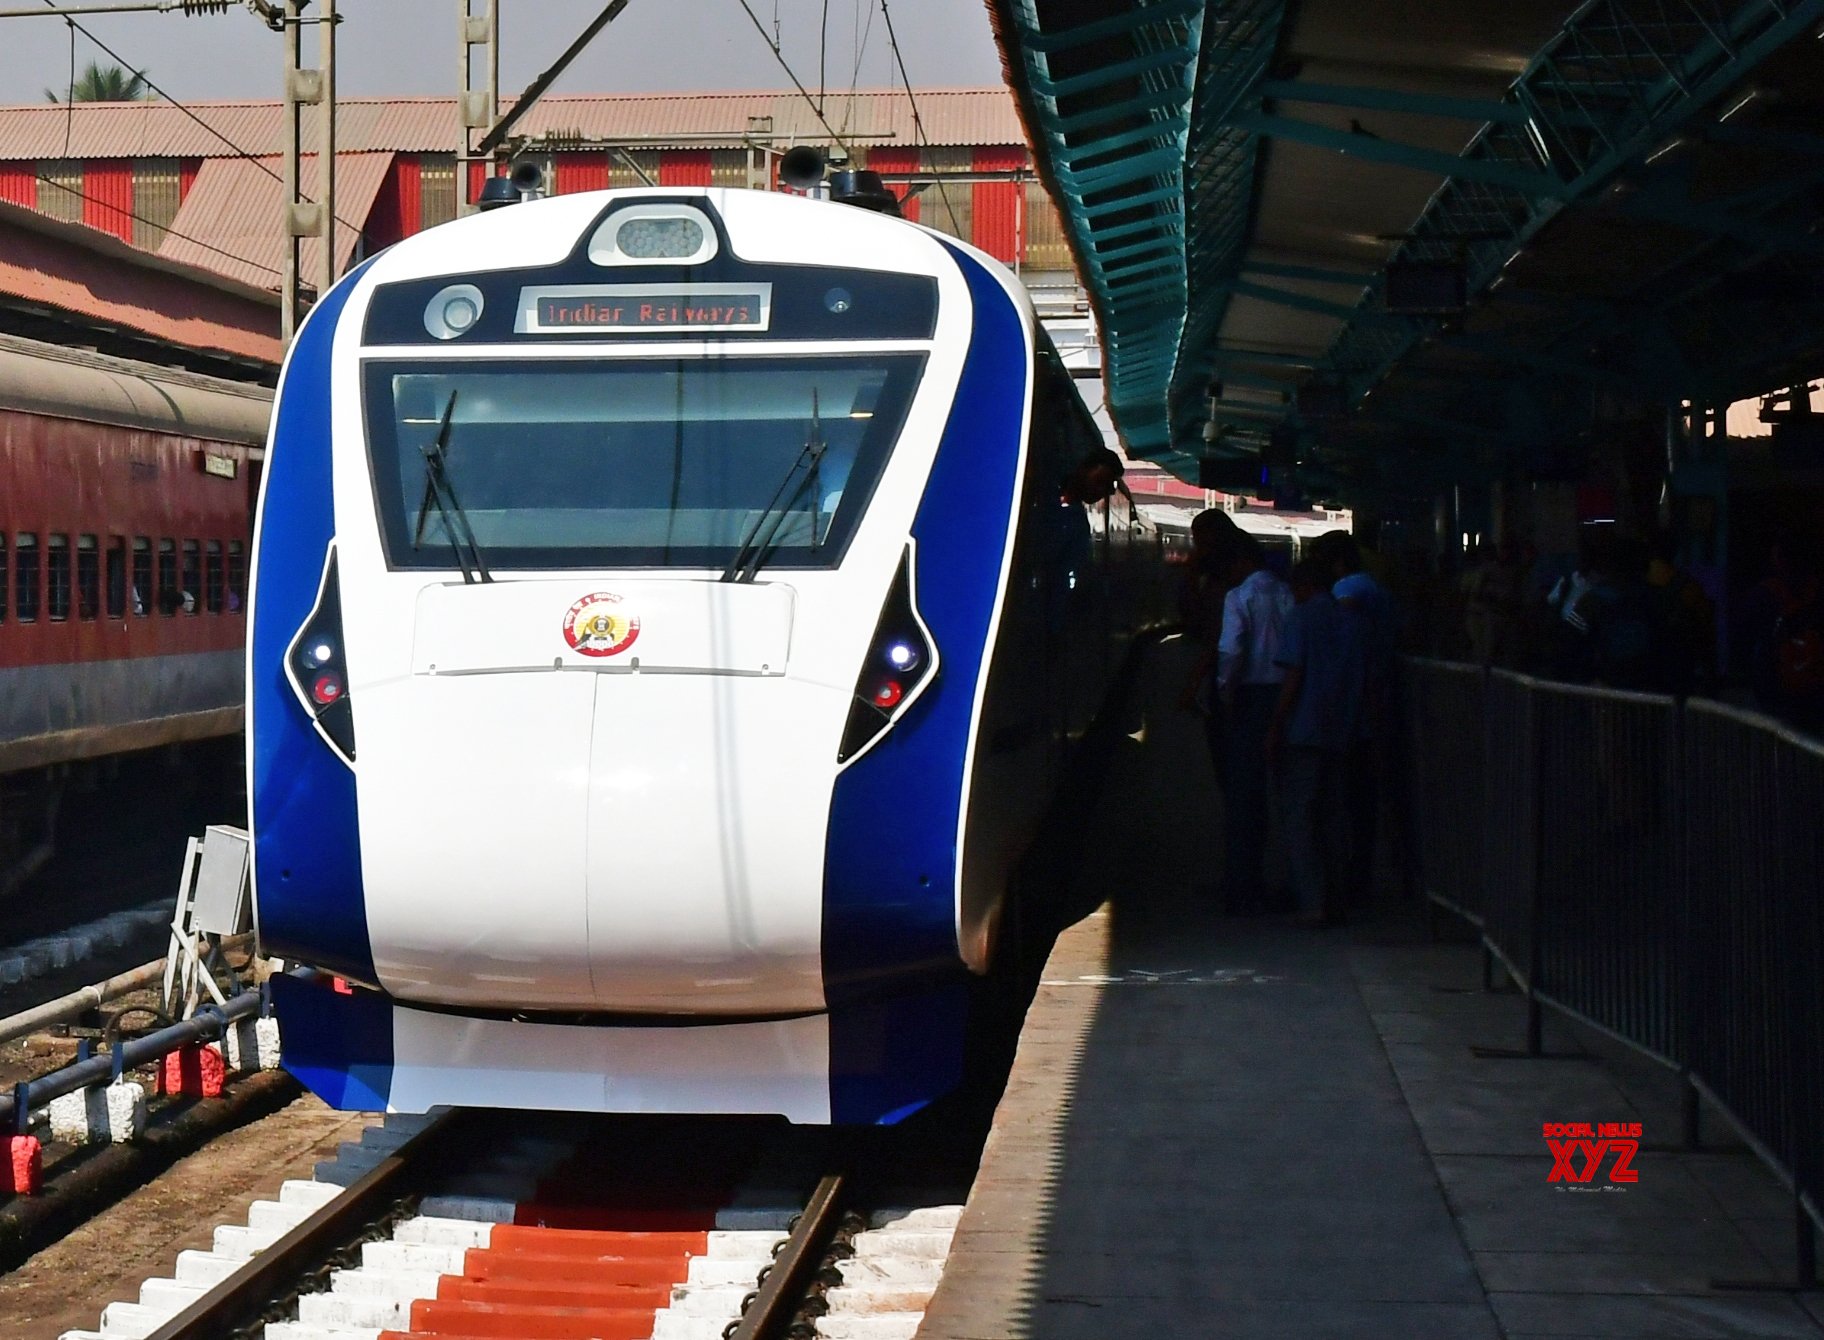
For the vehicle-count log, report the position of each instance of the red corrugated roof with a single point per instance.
(952, 116)
(100, 279)
(234, 206)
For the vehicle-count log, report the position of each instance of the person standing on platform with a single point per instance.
(1248, 679)
(1200, 605)
(1371, 769)
(1316, 723)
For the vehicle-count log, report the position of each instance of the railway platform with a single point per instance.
(1252, 1130)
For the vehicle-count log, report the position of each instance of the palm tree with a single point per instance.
(105, 83)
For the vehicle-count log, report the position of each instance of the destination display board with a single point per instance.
(597, 309)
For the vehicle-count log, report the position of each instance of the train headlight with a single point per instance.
(643, 234)
(901, 663)
(317, 671)
(453, 311)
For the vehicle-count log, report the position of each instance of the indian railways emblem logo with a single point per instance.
(595, 627)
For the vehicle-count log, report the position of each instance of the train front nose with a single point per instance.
(644, 835)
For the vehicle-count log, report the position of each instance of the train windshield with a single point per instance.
(573, 463)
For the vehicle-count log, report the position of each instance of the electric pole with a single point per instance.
(477, 108)
(307, 87)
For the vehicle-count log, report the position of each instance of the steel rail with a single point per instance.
(228, 1305)
(782, 1290)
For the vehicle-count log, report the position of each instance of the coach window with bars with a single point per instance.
(237, 575)
(143, 594)
(158, 186)
(193, 576)
(436, 189)
(25, 576)
(57, 578)
(170, 598)
(621, 173)
(949, 209)
(60, 189)
(117, 577)
(88, 578)
(214, 595)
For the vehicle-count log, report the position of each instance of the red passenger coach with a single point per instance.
(126, 514)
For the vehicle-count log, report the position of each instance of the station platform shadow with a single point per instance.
(1252, 1130)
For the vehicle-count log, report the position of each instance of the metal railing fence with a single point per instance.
(1651, 866)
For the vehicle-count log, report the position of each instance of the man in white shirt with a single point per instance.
(1248, 681)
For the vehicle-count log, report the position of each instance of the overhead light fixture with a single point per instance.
(1676, 142)
(1745, 99)
(1534, 134)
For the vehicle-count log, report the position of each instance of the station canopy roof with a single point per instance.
(1270, 202)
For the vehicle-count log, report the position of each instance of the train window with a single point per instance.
(237, 574)
(25, 576)
(638, 462)
(193, 576)
(142, 575)
(88, 577)
(57, 577)
(170, 598)
(117, 577)
(212, 577)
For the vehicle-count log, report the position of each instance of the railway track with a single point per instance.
(463, 1225)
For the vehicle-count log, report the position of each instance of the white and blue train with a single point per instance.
(661, 617)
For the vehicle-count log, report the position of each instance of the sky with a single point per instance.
(409, 46)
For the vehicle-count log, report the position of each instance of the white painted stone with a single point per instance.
(114, 1112)
(265, 1214)
(351, 1310)
(742, 1244)
(438, 1231)
(84, 1335)
(923, 1218)
(886, 1326)
(393, 1284)
(172, 1294)
(863, 1271)
(252, 1044)
(881, 1298)
(131, 1321)
(742, 1270)
(480, 1209)
(894, 1242)
(669, 1325)
(313, 1194)
(411, 1256)
(297, 1330)
(204, 1269)
(709, 1300)
(240, 1243)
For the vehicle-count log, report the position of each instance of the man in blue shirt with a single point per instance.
(1323, 650)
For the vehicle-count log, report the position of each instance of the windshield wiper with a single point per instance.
(439, 490)
(754, 548)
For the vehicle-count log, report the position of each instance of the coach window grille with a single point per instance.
(193, 576)
(142, 591)
(157, 192)
(25, 576)
(212, 577)
(57, 578)
(117, 577)
(60, 188)
(949, 209)
(170, 598)
(237, 574)
(88, 577)
(436, 189)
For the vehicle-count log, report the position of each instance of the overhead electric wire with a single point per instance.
(69, 97)
(153, 223)
(823, 52)
(796, 83)
(918, 123)
(239, 152)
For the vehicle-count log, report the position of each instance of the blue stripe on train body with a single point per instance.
(892, 975)
(307, 843)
